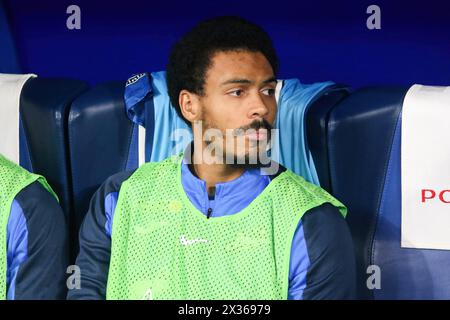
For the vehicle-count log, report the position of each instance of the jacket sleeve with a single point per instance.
(38, 250)
(330, 269)
(95, 242)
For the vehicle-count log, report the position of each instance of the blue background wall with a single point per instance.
(316, 40)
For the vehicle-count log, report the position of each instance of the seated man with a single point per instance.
(34, 246)
(211, 223)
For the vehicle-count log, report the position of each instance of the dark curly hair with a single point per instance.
(190, 57)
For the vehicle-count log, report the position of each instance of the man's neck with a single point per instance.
(212, 171)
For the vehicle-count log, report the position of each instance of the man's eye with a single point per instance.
(269, 92)
(236, 93)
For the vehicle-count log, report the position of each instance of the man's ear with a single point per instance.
(189, 105)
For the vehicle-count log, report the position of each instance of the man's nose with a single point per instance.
(257, 108)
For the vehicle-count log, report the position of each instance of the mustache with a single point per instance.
(255, 125)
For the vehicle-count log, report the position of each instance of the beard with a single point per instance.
(252, 159)
(256, 156)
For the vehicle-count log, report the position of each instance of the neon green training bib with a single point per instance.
(164, 248)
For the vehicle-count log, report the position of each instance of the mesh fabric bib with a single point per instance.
(164, 248)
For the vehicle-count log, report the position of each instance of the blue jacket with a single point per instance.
(37, 246)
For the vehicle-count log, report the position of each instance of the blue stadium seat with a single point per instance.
(103, 141)
(44, 108)
(362, 140)
(44, 105)
(317, 128)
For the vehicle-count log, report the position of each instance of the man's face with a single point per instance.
(239, 101)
